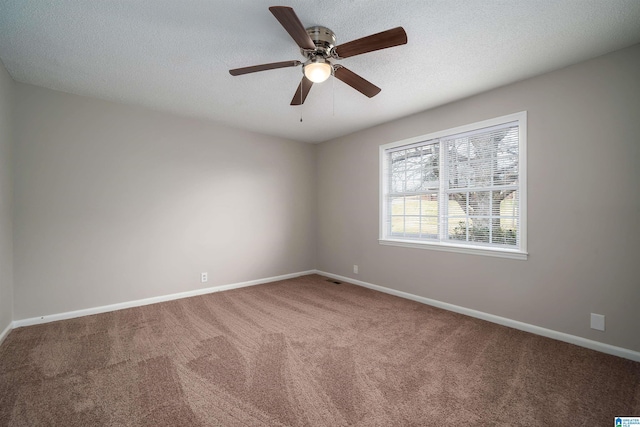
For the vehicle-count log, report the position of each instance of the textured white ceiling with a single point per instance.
(175, 55)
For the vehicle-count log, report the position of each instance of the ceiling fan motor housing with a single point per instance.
(323, 38)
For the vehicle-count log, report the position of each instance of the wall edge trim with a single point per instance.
(152, 300)
(515, 324)
(6, 331)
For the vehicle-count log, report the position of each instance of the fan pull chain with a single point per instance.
(333, 94)
(301, 102)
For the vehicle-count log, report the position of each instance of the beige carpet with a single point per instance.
(303, 352)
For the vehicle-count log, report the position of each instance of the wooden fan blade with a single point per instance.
(263, 67)
(383, 40)
(355, 81)
(289, 20)
(303, 90)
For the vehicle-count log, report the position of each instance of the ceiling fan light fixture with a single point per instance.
(318, 70)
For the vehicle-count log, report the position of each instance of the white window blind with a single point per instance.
(459, 189)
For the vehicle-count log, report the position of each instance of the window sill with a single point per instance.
(438, 246)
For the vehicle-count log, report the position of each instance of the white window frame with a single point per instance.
(519, 253)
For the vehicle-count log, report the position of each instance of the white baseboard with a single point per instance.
(147, 301)
(6, 331)
(549, 333)
(561, 336)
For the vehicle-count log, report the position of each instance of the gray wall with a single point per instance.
(583, 197)
(6, 205)
(115, 203)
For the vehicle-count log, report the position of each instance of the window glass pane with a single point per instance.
(505, 226)
(429, 205)
(412, 205)
(505, 203)
(459, 150)
(506, 171)
(479, 203)
(458, 229)
(412, 226)
(430, 178)
(475, 172)
(429, 227)
(414, 158)
(430, 169)
(414, 180)
(397, 158)
(460, 175)
(397, 205)
(397, 167)
(397, 182)
(502, 235)
(478, 230)
(509, 208)
(430, 154)
(458, 204)
(397, 224)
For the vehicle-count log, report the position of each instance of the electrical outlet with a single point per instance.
(204, 277)
(597, 321)
(355, 269)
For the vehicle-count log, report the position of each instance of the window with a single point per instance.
(460, 190)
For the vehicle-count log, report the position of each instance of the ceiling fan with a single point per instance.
(317, 45)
